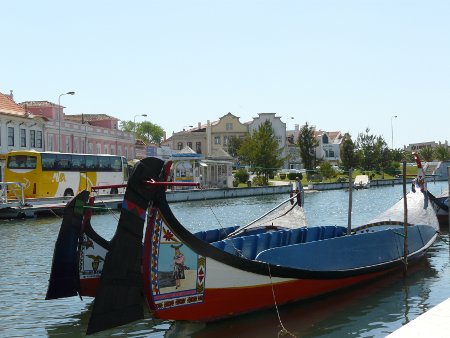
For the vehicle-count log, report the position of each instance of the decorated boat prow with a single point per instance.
(64, 277)
(119, 296)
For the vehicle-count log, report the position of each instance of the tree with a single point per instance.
(149, 132)
(307, 143)
(366, 145)
(127, 126)
(426, 154)
(441, 153)
(233, 145)
(146, 131)
(326, 170)
(349, 157)
(260, 149)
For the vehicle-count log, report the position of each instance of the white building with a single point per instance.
(278, 127)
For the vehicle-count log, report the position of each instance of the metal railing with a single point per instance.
(12, 192)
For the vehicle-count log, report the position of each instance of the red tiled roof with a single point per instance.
(89, 117)
(8, 106)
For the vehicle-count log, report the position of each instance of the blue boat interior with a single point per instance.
(215, 235)
(250, 246)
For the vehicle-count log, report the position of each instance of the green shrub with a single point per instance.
(258, 181)
(235, 183)
(282, 176)
(242, 175)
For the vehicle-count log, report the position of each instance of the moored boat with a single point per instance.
(222, 272)
(440, 206)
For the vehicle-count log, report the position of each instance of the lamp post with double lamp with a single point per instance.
(59, 117)
(392, 131)
(134, 131)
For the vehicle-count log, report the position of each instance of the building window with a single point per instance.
(50, 142)
(229, 126)
(75, 144)
(198, 147)
(67, 144)
(126, 152)
(91, 148)
(98, 148)
(32, 138)
(23, 137)
(180, 145)
(324, 139)
(216, 139)
(39, 139)
(189, 144)
(11, 136)
(226, 140)
(119, 150)
(106, 149)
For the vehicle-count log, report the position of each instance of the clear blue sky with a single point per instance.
(338, 65)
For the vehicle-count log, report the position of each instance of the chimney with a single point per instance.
(11, 95)
(199, 125)
(296, 127)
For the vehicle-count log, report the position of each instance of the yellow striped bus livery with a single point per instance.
(53, 174)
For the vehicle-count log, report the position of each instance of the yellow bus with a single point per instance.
(52, 174)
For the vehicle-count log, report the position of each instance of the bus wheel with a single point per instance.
(114, 191)
(68, 192)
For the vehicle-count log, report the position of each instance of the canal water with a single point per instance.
(371, 310)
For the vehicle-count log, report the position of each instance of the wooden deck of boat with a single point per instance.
(433, 323)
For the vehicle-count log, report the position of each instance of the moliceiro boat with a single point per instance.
(223, 272)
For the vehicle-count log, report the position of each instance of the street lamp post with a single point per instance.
(59, 117)
(134, 131)
(392, 131)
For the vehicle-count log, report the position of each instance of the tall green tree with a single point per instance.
(349, 157)
(234, 143)
(441, 153)
(373, 151)
(261, 151)
(127, 126)
(150, 132)
(307, 144)
(146, 131)
(366, 146)
(426, 154)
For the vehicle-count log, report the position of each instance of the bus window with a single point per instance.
(78, 162)
(126, 171)
(91, 163)
(104, 163)
(22, 162)
(64, 162)
(48, 161)
(116, 164)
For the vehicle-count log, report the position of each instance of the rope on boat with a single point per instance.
(54, 213)
(107, 209)
(283, 330)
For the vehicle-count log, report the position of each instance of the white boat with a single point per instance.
(361, 182)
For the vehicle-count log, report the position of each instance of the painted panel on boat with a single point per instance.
(177, 273)
(92, 258)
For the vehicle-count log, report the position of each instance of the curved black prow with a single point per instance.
(119, 297)
(64, 277)
(436, 200)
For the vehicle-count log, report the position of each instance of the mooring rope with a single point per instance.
(283, 330)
